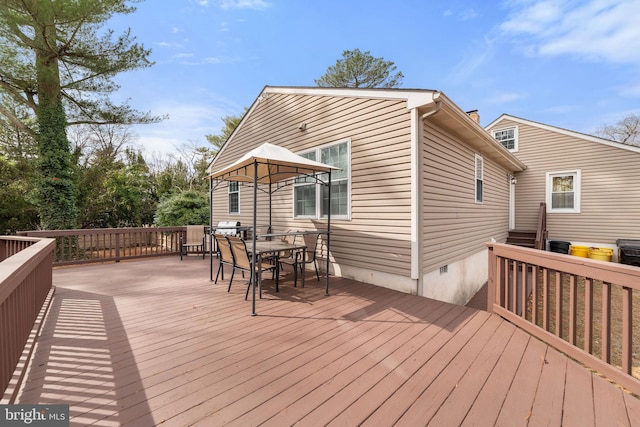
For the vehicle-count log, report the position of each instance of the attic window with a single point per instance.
(508, 137)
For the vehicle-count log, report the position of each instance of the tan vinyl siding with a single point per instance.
(610, 196)
(378, 234)
(455, 225)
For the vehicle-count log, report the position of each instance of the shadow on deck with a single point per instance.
(149, 342)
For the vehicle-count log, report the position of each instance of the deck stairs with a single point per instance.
(535, 239)
(525, 238)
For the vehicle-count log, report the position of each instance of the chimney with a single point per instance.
(474, 115)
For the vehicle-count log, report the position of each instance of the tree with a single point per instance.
(626, 131)
(194, 160)
(186, 208)
(101, 152)
(230, 124)
(360, 69)
(130, 193)
(55, 61)
(18, 210)
(18, 207)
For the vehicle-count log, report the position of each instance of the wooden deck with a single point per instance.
(152, 342)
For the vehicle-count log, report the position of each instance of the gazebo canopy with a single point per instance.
(274, 164)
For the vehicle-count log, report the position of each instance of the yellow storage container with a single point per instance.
(602, 254)
(581, 251)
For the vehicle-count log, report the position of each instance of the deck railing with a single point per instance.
(111, 244)
(587, 308)
(25, 284)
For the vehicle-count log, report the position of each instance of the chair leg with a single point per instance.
(233, 271)
(315, 264)
(246, 296)
(218, 273)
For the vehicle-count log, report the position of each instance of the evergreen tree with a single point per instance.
(56, 61)
(230, 124)
(361, 69)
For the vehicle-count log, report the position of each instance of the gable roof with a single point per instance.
(563, 131)
(450, 116)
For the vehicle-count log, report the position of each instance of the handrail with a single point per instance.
(581, 306)
(25, 283)
(541, 231)
(80, 246)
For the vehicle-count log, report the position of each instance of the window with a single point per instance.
(311, 199)
(234, 197)
(507, 137)
(563, 192)
(479, 167)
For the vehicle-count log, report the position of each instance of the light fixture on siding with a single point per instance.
(302, 127)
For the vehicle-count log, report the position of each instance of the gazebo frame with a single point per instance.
(270, 164)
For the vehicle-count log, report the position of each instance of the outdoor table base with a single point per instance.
(276, 247)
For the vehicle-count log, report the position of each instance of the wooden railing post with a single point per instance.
(627, 330)
(117, 247)
(491, 283)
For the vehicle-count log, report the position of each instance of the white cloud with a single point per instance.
(466, 14)
(186, 123)
(505, 98)
(592, 29)
(562, 109)
(629, 91)
(183, 55)
(170, 45)
(244, 4)
(478, 55)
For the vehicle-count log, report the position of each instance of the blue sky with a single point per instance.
(568, 63)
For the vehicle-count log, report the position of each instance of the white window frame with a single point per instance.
(515, 137)
(229, 193)
(478, 176)
(577, 184)
(319, 187)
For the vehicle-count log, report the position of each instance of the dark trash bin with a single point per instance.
(629, 251)
(559, 247)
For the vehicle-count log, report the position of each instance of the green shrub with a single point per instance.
(186, 208)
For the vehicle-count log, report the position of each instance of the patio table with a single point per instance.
(275, 247)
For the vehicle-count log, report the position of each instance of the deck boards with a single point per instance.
(153, 342)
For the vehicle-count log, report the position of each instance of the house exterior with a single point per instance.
(421, 186)
(588, 183)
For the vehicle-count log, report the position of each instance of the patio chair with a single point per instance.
(311, 242)
(194, 240)
(243, 262)
(288, 257)
(225, 256)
